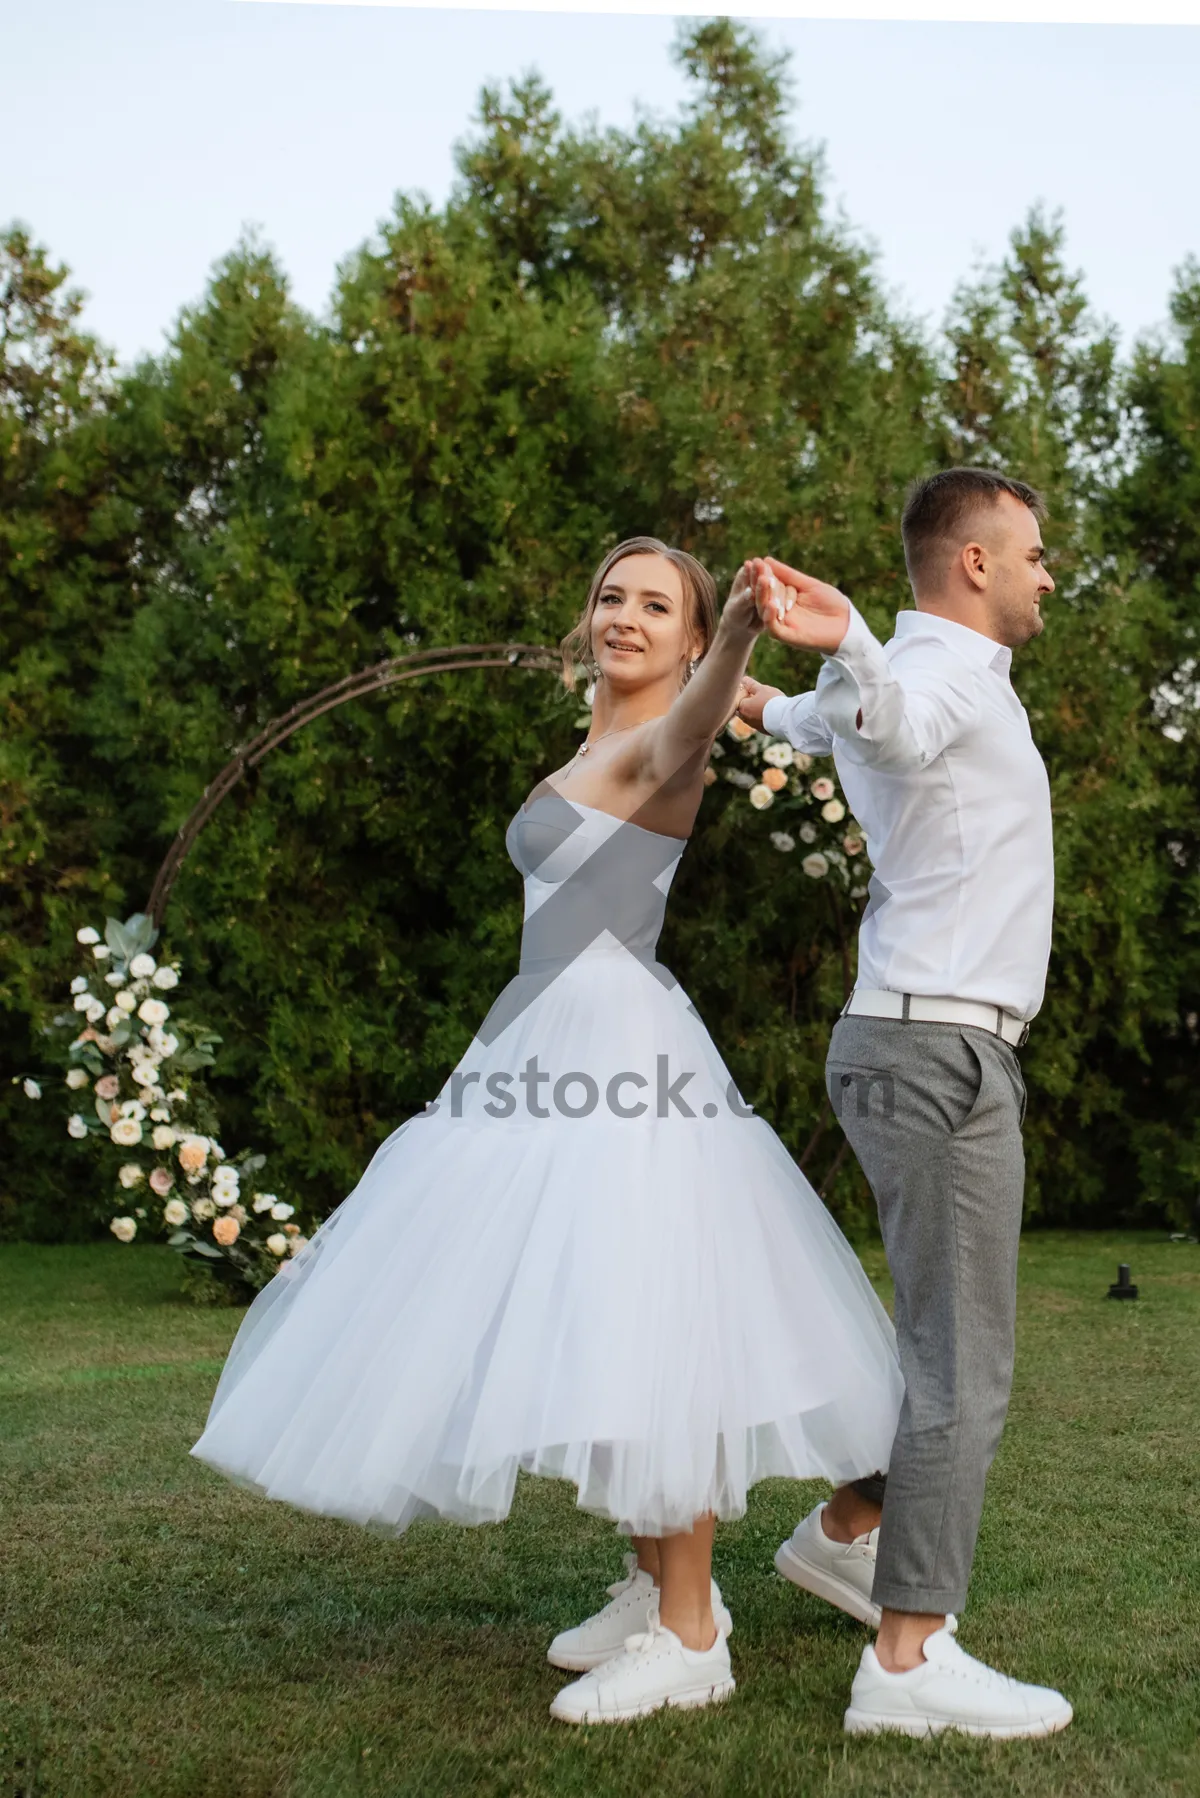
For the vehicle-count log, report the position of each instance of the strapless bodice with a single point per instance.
(594, 883)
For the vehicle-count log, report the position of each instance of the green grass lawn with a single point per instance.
(165, 1634)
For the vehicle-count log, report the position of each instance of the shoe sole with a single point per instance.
(596, 1657)
(868, 1723)
(824, 1585)
(677, 1701)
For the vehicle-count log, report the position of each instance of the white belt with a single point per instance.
(915, 1008)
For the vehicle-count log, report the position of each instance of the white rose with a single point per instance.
(126, 1000)
(32, 1090)
(175, 1212)
(101, 951)
(114, 977)
(278, 1243)
(808, 833)
(123, 1228)
(142, 966)
(178, 1097)
(761, 797)
(146, 1073)
(79, 984)
(833, 812)
(133, 1108)
(782, 841)
(165, 979)
(160, 1115)
(76, 1127)
(296, 1243)
(82, 1000)
(76, 1077)
(95, 1011)
(130, 1175)
(153, 1011)
(87, 936)
(815, 866)
(225, 1196)
(203, 1209)
(780, 755)
(114, 1017)
(263, 1201)
(162, 1137)
(168, 1045)
(281, 1213)
(126, 1132)
(823, 788)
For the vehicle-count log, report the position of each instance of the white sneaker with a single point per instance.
(950, 1690)
(842, 1572)
(602, 1636)
(653, 1669)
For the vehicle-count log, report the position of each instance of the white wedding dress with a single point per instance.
(657, 1308)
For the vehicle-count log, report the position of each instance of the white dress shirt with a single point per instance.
(947, 783)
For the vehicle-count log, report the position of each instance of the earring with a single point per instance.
(692, 666)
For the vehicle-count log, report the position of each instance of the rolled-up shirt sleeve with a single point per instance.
(900, 713)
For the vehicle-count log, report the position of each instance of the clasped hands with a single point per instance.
(796, 609)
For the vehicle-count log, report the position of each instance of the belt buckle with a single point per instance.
(1023, 1038)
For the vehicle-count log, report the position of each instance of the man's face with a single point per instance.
(1017, 578)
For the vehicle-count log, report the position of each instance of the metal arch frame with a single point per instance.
(447, 660)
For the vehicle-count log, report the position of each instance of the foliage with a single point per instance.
(602, 332)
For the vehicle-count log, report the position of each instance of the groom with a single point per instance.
(935, 756)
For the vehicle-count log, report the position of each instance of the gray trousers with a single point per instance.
(933, 1113)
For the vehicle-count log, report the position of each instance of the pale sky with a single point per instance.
(139, 136)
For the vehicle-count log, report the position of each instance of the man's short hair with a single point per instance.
(937, 511)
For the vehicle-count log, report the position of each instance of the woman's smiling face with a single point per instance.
(640, 630)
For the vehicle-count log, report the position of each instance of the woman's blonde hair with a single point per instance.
(699, 590)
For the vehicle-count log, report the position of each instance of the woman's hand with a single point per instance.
(743, 610)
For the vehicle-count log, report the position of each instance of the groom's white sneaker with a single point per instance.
(603, 1635)
(841, 1572)
(950, 1690)
(654, 1669)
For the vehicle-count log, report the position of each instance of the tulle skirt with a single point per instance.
(652, 1304)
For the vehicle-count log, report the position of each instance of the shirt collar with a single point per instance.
(972, 644)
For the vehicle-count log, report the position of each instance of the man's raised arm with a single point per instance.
(896, 724)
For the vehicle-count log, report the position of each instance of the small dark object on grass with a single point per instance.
(1124, 1288)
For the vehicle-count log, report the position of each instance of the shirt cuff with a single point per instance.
(858, 651)
(775, 729)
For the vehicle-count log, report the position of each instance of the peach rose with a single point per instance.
(226, 1231)
(162, 1180)
(823, 788)
(775, 778)
(738, 728)
(108, 1086)
(193, 1153)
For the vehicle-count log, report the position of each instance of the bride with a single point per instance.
(588, 1258)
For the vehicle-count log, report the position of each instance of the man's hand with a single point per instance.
(754, 696)
(799, 610)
